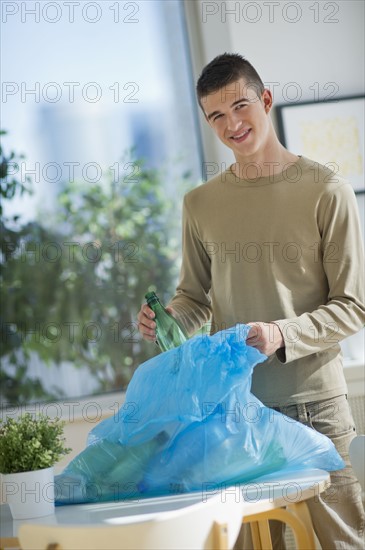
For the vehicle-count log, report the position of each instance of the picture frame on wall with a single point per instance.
(330, 132)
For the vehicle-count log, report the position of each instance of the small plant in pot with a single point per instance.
(29, 448)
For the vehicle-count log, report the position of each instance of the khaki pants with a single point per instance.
(337, 514)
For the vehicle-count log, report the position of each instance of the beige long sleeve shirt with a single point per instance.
(284, 248)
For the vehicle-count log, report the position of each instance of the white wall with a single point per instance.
(324, 44)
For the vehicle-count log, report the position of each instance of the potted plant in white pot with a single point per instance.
(29, 448)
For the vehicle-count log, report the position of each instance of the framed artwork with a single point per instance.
(330, 132)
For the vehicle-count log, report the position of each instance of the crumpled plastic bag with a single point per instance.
(190, 420)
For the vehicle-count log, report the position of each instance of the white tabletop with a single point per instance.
(264, 493)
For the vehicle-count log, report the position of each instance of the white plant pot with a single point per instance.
(29, 494)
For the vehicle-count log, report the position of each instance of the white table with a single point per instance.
(207, 520)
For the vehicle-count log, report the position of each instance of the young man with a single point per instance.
(275, 242)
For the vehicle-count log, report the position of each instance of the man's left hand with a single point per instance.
(266, 337)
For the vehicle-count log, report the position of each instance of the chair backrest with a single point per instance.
(121, 537)
(211, 524)
(357, 458)
(67, 537)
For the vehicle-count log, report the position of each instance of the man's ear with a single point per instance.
(267, 100)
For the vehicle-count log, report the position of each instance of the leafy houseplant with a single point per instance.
(28, 444)
(29, 448)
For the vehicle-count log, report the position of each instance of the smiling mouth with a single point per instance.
(241, 137)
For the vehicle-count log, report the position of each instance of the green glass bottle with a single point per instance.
(169, 333)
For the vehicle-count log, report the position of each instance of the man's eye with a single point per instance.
(240, 105)
(217, 116)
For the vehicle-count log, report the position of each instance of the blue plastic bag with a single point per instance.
(190, 419)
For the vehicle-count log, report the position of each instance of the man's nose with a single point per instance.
(234, 122)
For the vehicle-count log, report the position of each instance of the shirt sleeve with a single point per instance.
(341, 252)
(191, 302)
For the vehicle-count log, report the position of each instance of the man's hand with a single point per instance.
(266, 337)
(146, 324)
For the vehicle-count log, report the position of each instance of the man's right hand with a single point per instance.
(146, 324)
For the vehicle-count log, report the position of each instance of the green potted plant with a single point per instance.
(29, 448)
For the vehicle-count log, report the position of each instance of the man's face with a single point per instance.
(239, 115)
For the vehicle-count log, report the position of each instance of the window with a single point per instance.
(98, 97)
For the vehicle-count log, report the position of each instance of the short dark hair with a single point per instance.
(225, 69)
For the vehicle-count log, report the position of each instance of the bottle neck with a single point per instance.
(155, 304)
